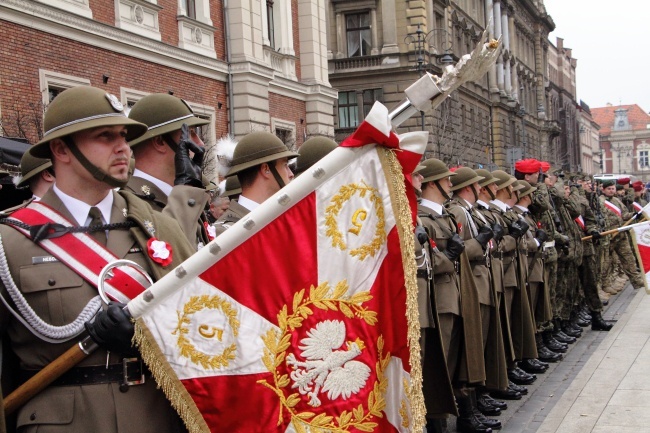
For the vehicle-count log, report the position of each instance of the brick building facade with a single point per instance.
(247, 66)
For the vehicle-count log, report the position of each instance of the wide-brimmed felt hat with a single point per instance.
(434, 169)
(162, 113)
(81, 108)
(257, 148)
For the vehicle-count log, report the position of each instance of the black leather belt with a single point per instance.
(422, 273)
(481, 261)
(131, 371)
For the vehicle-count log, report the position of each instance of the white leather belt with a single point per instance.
(548, 245)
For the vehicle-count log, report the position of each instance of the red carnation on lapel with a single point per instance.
(159, 251)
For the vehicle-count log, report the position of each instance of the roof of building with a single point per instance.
(604, 116)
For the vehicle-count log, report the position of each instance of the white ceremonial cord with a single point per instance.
(31, 321)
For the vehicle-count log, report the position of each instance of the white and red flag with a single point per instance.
(641, 236)
(302, 317)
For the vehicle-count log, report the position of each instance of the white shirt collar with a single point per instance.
(501, 205)
(79, 210)
(432, 205)
(482, 203)
(163, 186)
(247, 203)
(525, 209)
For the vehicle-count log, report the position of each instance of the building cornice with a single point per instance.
(47, 19)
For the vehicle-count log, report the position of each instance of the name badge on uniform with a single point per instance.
(135, 250)
(43, 259)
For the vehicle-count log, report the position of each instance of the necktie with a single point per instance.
(96, 220)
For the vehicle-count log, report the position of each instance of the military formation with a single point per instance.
(505, 280)
(511, 268)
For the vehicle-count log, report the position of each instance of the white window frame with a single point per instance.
(127, 13)
(202, 11)
(130, 95)
(203, 110)
(283, 26)
(277, 123)
(77, 7)
(56, 79)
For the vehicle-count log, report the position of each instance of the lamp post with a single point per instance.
(423, 46)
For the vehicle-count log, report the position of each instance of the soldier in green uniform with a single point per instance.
(615, 216)
(37, 174)
(86, 134)
(165, 176)
(458, 315)
(261, 163)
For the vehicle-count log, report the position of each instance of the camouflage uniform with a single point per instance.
(588, 271)
(620, 245)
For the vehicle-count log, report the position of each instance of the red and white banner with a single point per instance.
(611, 206)
(303, 326)
(641, 236)
(581, 222)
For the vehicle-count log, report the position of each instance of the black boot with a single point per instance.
(598, 323)
(576, 319)
(467, 420)
(532, 366)
(559, 334)
(496, 403)
(520, 389)
(569, 330)
(551, 343)
(485, 407)
(494, 424)
(437, 426)
(507, 394)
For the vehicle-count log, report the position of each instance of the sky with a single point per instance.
(611, 40)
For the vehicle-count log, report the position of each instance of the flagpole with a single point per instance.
(424, 95)
(643, 211)
(617, 230)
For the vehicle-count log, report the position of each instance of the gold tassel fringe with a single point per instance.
(167, 380)
(405, 229)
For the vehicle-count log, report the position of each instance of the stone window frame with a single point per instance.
(643, 147)
(139, 17)
(277, 123)
(77, 7)
(343, 7)
(57, 80)
(282, 27)
(196, 33)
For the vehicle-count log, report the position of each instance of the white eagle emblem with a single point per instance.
(326, 369)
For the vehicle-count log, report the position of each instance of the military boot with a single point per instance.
(552, 343)
(468, 421)
(437, 426)
(598, 323)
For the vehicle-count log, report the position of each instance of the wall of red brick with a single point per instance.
(25, 50)
(296, 36)
(289, 109)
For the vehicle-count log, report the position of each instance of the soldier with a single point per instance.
(311, 151)
(615, 216)
(477, 235)
(639, 193)
(515, 230)
(589, 270)
(37, 174)
(446, 247)
(260, 161)
(86, 134)
(165, 176)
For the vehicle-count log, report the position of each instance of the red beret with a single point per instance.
(528, 166)
(637, 187)
(545, 166)
(623, 181)
(453, 169)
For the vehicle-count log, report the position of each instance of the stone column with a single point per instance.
(389, 27)
(374, 50)
(506, 46)
(360, 113)
(497, 35)
(341, 49)
(489, 22)
(539, 75)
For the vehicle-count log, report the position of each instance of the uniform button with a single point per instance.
(32, 417)
(51, 282)
(191, 202)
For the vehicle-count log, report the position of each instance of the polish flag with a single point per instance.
(581, 222)
(611, 206)
(305, 318)
(641, 237)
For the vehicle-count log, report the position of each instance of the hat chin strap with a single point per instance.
(93, 170)
(442, 191)
(170, 142)
(494, 197)
(276, 175)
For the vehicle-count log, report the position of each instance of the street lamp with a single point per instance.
(424, 46)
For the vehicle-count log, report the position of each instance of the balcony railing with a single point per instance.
(363, 62)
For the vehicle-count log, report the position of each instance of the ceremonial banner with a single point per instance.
(309, 323)
(641, 237)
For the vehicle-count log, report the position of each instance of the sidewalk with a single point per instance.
(612, 390)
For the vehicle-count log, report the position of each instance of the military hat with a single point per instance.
(619, 187)
(528, 166)
(434, 169)
(312, 151)
(545, 166)
(232, 187)
(526, 189)
(487, 177)
(608, 182)
(517, 185)
(418, 168)
(80, 108)
(209, 185)
(623, 181)
(465, 176)
(163, 114)
(257, 148)
(31, 166)
(503, 179)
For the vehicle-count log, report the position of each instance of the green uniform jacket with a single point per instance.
(185, 204)
(57, 295)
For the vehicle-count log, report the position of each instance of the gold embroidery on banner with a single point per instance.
(185, 346)
(359, 214)
(406, 403)
(275, 353)
(346, 192)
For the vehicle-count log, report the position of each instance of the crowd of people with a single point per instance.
(506, 281)
(511, 269)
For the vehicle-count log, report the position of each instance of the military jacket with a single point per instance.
(478, 258)
(612, 219)
(568, 211)
(234, 213)
(589, 219)
(185, 204)
(508, 248)
(543, 212)
(533, 251)
(445, 278)
(57, 295)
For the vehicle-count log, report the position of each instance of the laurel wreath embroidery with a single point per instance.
(276, 345)
(404, 407)
(187, 349)
(346, 192)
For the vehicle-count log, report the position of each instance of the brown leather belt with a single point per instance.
(132, 371)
